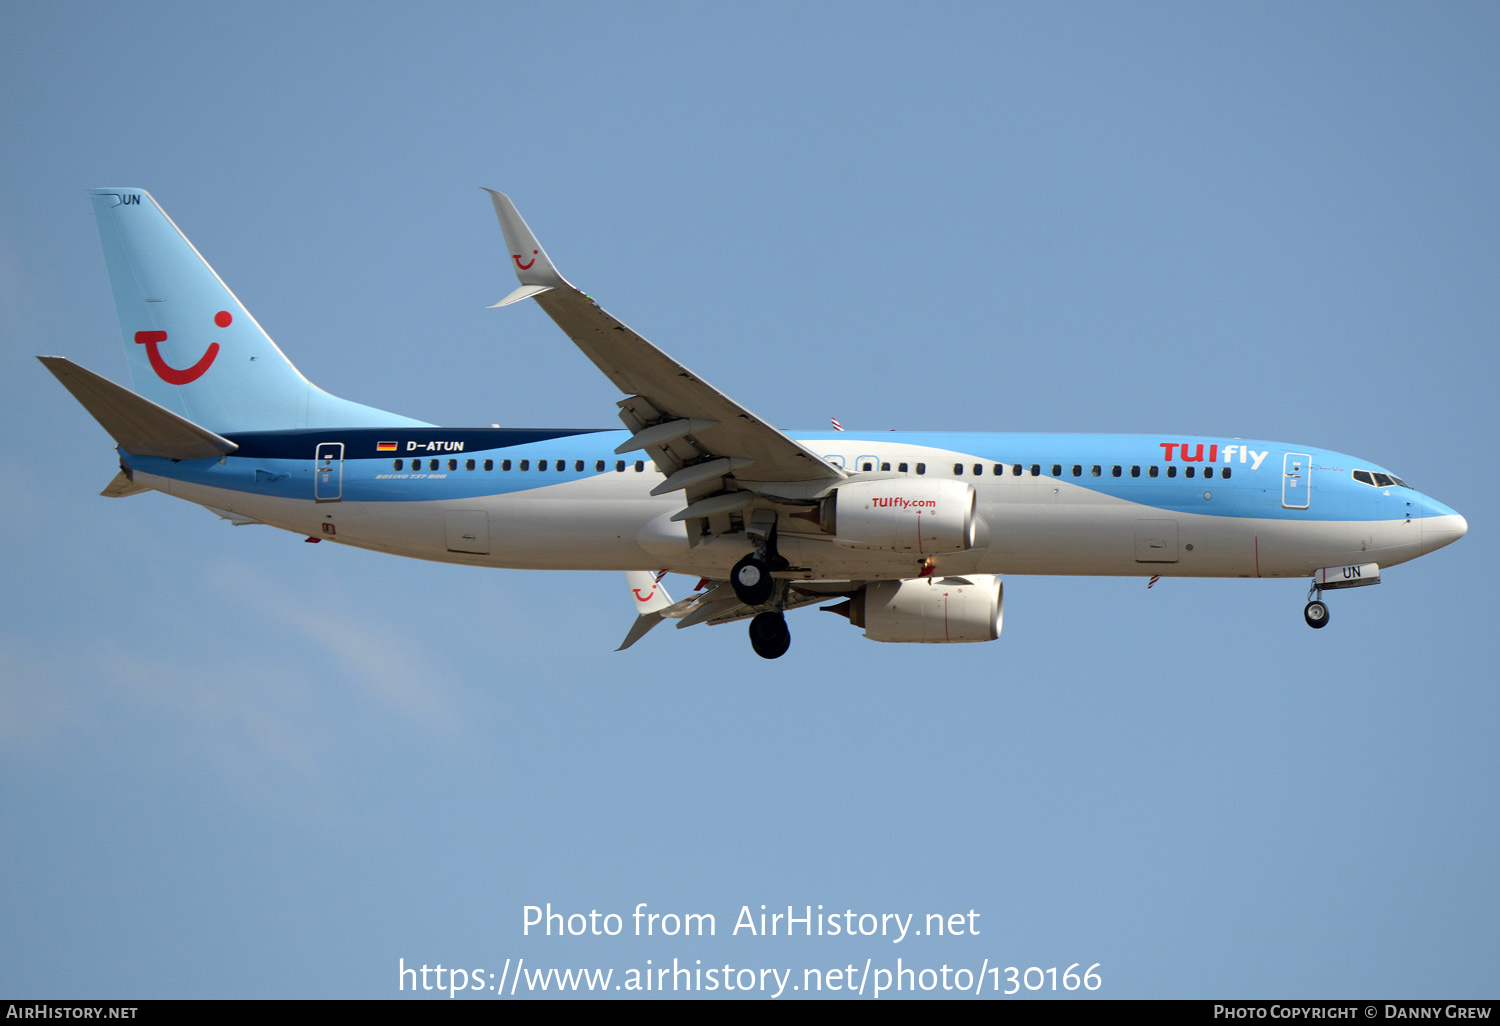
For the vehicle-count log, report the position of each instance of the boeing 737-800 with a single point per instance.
(907, 534)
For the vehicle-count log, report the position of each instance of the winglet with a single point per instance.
(652, 605)
(533, 267)
(649, 593)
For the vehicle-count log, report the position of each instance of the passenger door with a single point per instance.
(1296, 480)
(328, 472)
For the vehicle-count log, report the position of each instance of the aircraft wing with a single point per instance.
(703, 441)
(714, 606)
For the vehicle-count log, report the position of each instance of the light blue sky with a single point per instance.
(233, 764)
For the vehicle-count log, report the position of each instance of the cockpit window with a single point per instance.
(1376, 479)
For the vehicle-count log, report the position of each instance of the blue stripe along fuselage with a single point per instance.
(280, 464)
(364, 443)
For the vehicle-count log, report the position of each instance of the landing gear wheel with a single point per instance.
(1316, 615)
(769, 636)
(751, 580)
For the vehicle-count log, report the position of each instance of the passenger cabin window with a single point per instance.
(598, 465)
(640, 465)
(489, 464)
(867, 465)
(619, 466)
(978, 470)
(432, 464)
(1036, 470)
(1015, 471)
(1189, 471)
(958, 468)
(578, 464)
(397, 465)
(1077, 470)
(1172, 471)
(901, 468)
(921, 468)
(1095, 471)
(885, 466)
(1227, 472)
(1208, 471)
(1152, 472)
(1114, 471)
(505, 465)
(525, 464)
(453, 464)
(1057, 470)
(1135, 471)
(468, 464)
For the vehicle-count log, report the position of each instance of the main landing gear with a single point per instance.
(1315, 612)
(754, 586)
(751, 580)
(769, 635)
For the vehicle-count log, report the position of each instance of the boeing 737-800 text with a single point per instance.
(905, 533)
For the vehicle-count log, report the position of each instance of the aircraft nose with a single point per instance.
(1442, 529)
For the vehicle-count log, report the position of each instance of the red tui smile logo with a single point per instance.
(171, 375)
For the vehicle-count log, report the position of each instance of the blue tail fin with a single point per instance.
(192, 347)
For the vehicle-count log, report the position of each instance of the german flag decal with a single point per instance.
(385, 446)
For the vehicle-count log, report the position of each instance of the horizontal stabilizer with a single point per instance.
(140, 426)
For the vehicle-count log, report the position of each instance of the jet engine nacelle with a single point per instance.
(941, 610)
(902, 515)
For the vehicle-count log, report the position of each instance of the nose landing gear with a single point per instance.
(1355, 575)
(1316, 611)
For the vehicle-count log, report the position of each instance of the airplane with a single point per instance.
(907, 534)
